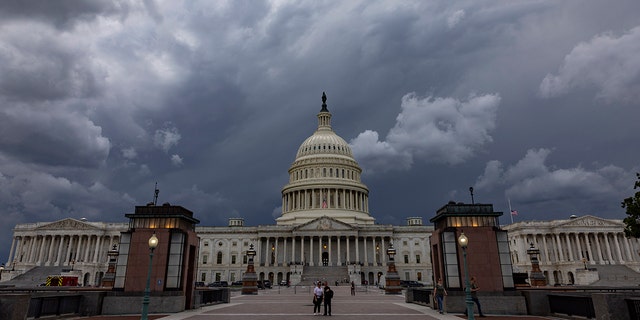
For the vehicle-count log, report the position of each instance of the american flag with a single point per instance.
(514, 212)
(324, 203)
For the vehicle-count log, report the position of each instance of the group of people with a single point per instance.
(322, 295)
(439, 292)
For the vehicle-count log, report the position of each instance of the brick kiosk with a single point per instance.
(174, 261)
(488, 256)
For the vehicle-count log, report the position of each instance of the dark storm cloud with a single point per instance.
(62, 13)
(211, 99)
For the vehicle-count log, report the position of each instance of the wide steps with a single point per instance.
(330, 274)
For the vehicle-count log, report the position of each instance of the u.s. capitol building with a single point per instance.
(326, 232)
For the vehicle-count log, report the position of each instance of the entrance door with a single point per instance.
(325, 259)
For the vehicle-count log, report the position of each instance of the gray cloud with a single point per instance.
(607, 62)
(433, 130)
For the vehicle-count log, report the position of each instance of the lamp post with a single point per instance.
(153, 244)
(536, 279)
(463, 241)
(392, 279)
(250, 279)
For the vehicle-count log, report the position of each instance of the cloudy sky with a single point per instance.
(533, 101)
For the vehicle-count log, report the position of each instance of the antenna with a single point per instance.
(155, 195)
(471, 191)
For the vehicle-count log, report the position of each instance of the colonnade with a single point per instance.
(325, 198)
(330, 250)
(60, 250)
(594, 247)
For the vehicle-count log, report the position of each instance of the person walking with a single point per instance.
(353, 288)
(474, 295)
(328, 295)
(317, 298)
(440, 292)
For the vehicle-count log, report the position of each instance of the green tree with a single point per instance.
(632, 204)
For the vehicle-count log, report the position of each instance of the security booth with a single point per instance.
(487, 247)
(169, 267)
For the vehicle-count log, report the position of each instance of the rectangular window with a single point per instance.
(123, 258)
(449, 251)
(419, 276)
(417, 258)
(218, 276)
(233, 259)
(203, 277)
(204, 259)
(174, 265)
(505, 259)
(406, 258)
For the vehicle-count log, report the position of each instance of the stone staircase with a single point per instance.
(616, 275)
(322, 273)
(35, 276)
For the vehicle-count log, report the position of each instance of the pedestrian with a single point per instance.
(440, 292)
(317, 298)
(328, 295)
(474, 295)
(353, 288)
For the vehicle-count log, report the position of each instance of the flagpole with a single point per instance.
(510, 211)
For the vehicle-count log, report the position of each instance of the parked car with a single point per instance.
(218, 284)
(267, 284)
(236, 283)
(410, 283)
(283, 283)
(200, 284)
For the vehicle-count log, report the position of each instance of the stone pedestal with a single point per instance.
(392, 281)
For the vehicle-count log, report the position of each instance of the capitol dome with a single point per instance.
(324, 180)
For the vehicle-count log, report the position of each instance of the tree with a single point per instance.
(632, 204)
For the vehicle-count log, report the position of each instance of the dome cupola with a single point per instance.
(324, 179)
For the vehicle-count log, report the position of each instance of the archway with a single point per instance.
(371, 278)
(85, 280)
(571, 278)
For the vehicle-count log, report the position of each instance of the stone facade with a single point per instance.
(572, 250)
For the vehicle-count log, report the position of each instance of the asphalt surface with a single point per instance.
(289, 303)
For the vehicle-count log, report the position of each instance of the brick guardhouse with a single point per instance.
(173, 266)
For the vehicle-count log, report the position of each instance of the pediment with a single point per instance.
(590, 221)
(67, 224)
(324, 224)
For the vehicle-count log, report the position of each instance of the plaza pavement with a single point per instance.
(283, 303)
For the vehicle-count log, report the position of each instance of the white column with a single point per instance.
(284, 252)
(617, 243)
(373, 249)
(364, 250)
(293, 249)
(320, 251)
(599, 248)
(383, 253)
(31, 248)
(358, 259)
(87, 248)
(559, 248)
(339, 251)
(11, 252)
(606, 243)
(311, 251)
(330, 260)
(570, 257)
(579, 247)
(302, 250)
(348, 253)
(98, 245)
(626, 248)
(588, 245)
(59, 259)
(40, 250)
(49, 259)
(275, 261)
(546, 252)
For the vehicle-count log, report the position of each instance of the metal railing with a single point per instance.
(572, 305)
(54, 306)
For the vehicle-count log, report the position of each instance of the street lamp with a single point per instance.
(153, 244)
(463, 241)
(250, 279)
(392, 279)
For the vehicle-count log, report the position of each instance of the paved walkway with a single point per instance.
(290, 303)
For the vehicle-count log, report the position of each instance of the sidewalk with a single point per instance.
(283, 303)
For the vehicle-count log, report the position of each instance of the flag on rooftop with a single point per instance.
(514, 212)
